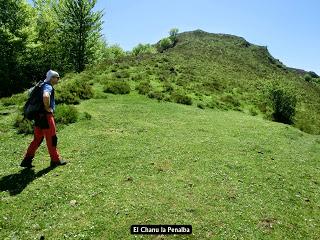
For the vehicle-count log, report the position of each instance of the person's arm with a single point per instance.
(46, 102)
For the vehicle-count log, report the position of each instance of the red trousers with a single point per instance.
(49, 132)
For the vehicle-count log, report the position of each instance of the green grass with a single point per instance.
(139, 161)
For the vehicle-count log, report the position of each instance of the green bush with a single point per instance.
(230, 101)
(168, 87)
(215, 104)
(157, 95)
(66, 97)
(99, 94)
(137, 77)
(117, 88)
(121, 74)
(307, 78)
(201, 105)
(182, 99)
(23, 125)
(167, 99)
(83, 90)
(307, 121)
(313, 74)
(143, 48)
(253, 111)
(70, 92)
(284, 106)
(210, 86)
(86, 116)
(65, 114)
(164, 44)
(144, 88)
(16, 99)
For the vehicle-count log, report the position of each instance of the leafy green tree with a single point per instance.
(79, 31)
(173, 34)
(13, 38)
(42, 48)
(47, 45)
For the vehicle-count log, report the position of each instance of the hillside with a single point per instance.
(137, 161)
(217, 162)
(218, 71)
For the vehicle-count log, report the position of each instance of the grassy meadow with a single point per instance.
(139, 161)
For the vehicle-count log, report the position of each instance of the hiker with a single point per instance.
(44, 125)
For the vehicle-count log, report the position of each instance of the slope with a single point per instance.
(218, 71)
(137, 161)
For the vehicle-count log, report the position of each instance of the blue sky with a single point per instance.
(290, 29)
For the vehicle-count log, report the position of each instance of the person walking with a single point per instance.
(44, 126)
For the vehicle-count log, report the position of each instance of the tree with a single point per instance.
(13, 20)
(79, 30)
(46, 40)
(173, 35)
(42, 48)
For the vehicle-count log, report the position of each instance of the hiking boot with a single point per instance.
(58, 163)
(27, 162)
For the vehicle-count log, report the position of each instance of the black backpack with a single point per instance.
(34, 103)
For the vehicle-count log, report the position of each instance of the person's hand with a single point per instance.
(50, 110)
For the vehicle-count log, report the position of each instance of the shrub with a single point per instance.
(284, 106)
(66, 97)
(117, 88)
(16, 99)
(23, 125)
(164, 44)
(66, 114)
(210, 86)
(162, 78)
(215, 104)
(253, 111)
(173, 34)
(313, 74)
(230, 101)
(307, 121)
(121, 74)
(201, 105)
(168, 87)
(86, 116)
(167, 99)
(70, 92)
(144, 88)
(307, 78)
(182, 99)
(99, 94)
(137, 77)
(157, 95)
(82, 89)
(143, 48)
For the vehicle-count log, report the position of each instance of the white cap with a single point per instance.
(51, 74)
